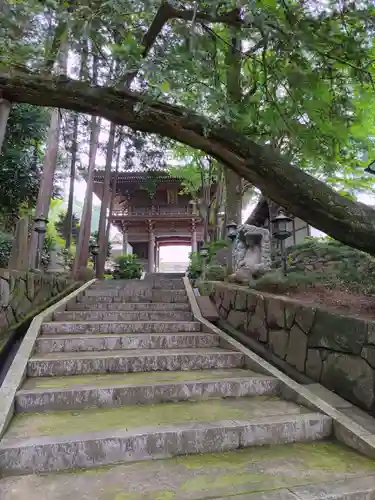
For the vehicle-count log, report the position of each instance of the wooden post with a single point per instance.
(151, 248)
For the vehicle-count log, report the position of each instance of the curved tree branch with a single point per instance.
(306, 197)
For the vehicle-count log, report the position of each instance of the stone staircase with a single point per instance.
(125, 374)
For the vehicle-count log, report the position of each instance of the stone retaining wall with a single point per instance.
(22, 292)
(337, 351)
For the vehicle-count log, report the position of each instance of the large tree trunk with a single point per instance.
(73, 162)
(310, 199)
(82, 251)
(233, 182)
(104, 206)
(113, 195)
(4, 115)
(46, 184)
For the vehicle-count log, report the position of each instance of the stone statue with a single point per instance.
(251, 253)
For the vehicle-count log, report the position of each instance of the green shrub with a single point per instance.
(216, 272)
(128, 267)
(6, 241)
(194, 269)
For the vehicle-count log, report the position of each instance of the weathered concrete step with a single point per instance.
(284, 472)
(56, 364)
(173, 296)
(32, 453)
(126, 306)
(296, 471)
(109, 342)
(59, 327)
(123, 316)
(114, 394)
(136, 289)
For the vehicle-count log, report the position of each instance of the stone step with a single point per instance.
(123, 316)
(41, 442)
(171, 296)
(110, 342)
(296, 471)
(142, 360)
(113, 390)
(59, 327)
(126, 306)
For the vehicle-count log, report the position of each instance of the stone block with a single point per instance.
(371, 332)
(237, 319)
(297, 346)
(305, 317)
(338, 333)
(290, 313)
(314, 364)
(207, 308)
(251, 301)
(349, 376)
(368, 353)
(229, 299)
(275, 312)
(4, 292)
(257, 326)
(278, 341)
(241, 300)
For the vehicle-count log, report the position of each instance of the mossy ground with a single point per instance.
(198, 477)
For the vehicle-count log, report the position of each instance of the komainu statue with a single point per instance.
(251, 253)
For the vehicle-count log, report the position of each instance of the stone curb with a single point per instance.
(113, 395)
(17, 370)
(92, 449)
(345, 429)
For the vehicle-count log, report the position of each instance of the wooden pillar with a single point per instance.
(151, 247)
(193, 237)
(157, 257)
(125, 239)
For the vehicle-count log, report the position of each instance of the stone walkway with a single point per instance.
(125, 375)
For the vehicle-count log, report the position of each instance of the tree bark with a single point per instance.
(82, 251)
(310, 199)
(73, 162)
(4, 115)
(46, 184)
(113, 195)
(104, 205)
(233, 182)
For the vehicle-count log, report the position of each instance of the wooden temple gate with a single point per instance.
(151, 212)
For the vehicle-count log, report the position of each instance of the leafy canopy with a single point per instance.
(305, 76)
